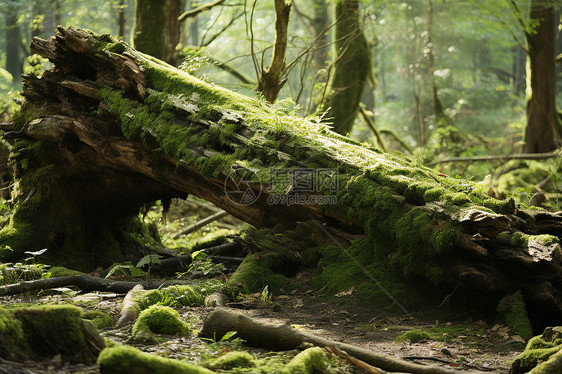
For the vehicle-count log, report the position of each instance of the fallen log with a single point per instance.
(85, 283)
(108, 129)
(284, 337)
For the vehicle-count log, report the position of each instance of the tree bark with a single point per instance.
(14, 63)
(352, 66)
(543, 127)
(271, 80)
(109, 129)
(157, 30)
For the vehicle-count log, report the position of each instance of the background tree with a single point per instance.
(543, 124)
(14, 51)
(351, 66)
(271, 80)
(157, 29)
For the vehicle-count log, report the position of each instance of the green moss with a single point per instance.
(254, 273)
(413, 336)
(545, 239)
(531, 358)
(61, 271)
(308, 361)
(551, 366)
(127, 360)
(101, 320)
(460, 199)
(538, 350)
(512, 309)
(12, 342)
(115, 47)
(173, 296)
(56, 329)
(159, 319)
(506, 206)
(234, 359)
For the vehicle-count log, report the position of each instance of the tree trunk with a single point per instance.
(14, 63)
(157, 30)
(320, 23)
(543, 128)
(121, 20)
(352, 66)
(108, 129)
(271, 80)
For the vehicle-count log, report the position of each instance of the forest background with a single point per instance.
(431, 79)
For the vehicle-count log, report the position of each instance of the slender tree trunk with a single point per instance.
(121, 20)
(440, 117)
(543, 128)
(14, 63)
(518, 71)
(320, 23)
(271, 81)
(157, 29)
(352, 66)
(194, 28)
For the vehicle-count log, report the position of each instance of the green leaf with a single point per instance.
(149, 260)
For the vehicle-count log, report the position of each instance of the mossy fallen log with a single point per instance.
(108, 129)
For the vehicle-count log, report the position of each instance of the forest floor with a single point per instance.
(462, 341)
(462, 344)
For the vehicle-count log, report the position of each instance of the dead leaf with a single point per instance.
(346, 292)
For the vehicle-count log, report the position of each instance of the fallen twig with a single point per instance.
(363, 365)
(204, 222)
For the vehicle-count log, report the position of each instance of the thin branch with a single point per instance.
(194, 12)
(235, 72)
(202, 223)
(361, 364)
(522, 156)
(222, 30)
(250, 34)
(367, 119)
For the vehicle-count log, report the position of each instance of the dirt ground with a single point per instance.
(469, 345)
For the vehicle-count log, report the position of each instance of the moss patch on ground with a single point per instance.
(99, 319)
(40, 333)
(231, 360)
(127, 360)
(413, 336)
(173, 296)
(158, 319)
